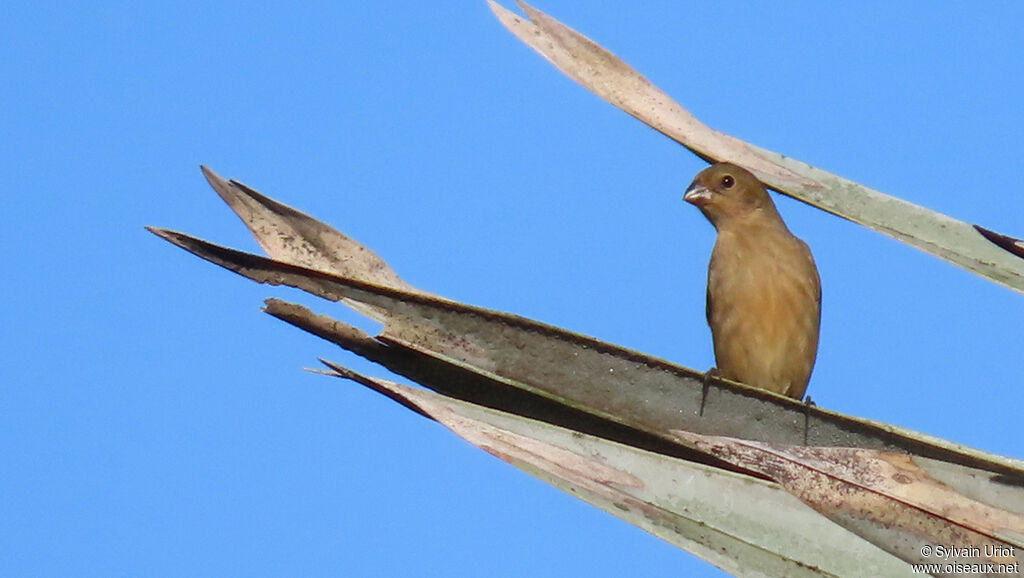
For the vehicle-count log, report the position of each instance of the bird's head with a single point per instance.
(725, 192)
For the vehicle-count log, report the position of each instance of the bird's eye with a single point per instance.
(728, 181)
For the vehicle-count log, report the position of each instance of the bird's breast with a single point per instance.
(764, 310)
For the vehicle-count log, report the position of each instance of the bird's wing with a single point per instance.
(814, 269)
(708, 304)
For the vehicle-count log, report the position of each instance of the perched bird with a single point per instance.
(764, 293)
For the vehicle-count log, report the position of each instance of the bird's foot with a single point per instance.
(710, 374)
(808, 404)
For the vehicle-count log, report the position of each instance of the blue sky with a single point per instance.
(154, 423)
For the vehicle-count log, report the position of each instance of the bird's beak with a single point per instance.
(697, 195)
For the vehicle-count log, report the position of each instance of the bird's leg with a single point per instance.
(808, 404)
(706, 383)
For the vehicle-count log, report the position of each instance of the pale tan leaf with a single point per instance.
(612, 79)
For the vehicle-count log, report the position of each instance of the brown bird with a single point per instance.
(764, 293)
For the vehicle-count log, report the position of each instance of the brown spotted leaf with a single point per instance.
(885, 497)
(690, 505)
